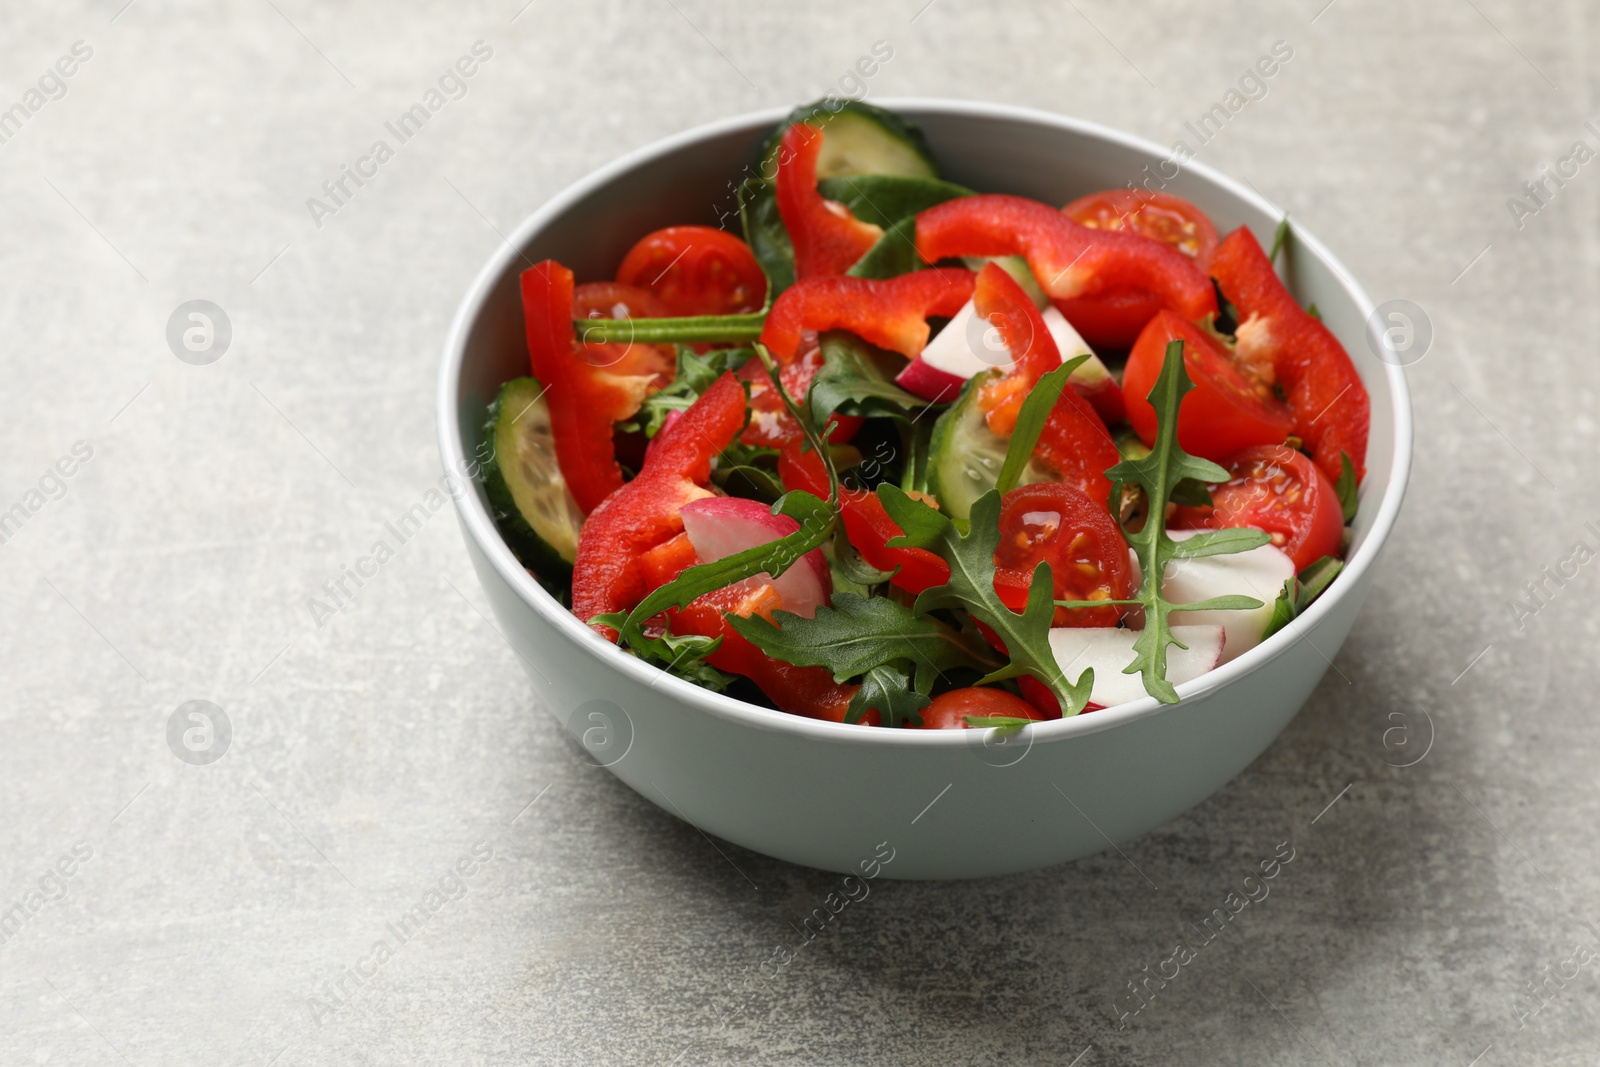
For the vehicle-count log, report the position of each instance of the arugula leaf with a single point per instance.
(848, 564)
(764, 233)
(851, 382)
(971, 588)
(888, 689)
(858, 633)
(895, 253)
(1300, 591)
(1036, 409)
(1004, 723)
(1280, 239)
(1158, 474)
(885, 199)
(1345, 487)
(694, 375)
(745, 480)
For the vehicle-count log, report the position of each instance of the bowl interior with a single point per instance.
(693, 177)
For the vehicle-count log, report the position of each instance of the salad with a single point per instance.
(912, 455)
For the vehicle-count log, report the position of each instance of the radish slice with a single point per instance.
(1258, 573)
(1108, 649)
(719, 526)
(963, 349)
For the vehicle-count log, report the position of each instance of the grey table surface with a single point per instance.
(176, 913)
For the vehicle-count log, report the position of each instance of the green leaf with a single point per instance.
(1280, 239)
(1036, 409)
(1300, 591)
(694, 375)
(848, 564)
(1311, 309)
(764, 233)
(1004, 723)
(746, 480)
(852, 382)
(895, 253)
(1283, 609)
(1315, 578)
(886, 199)
(1345, 487)
(858, 633)
(1158, 474)
(971, 588)
(888, 688)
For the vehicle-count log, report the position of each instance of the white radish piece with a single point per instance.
(719, 526)
(962, 350)
(1258, 573)
(1108, 649)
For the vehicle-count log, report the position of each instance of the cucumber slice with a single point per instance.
(529, 498)
(857, 139)
(965, 456)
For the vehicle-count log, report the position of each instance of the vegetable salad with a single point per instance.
(911, 455)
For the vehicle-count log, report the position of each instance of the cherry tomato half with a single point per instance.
(1279, 490)
(1229, 408)
(949, 711)
(611, 300)
(1113, 319)
(696, 270)
(1055, 523)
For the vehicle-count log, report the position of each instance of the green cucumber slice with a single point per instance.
(529, 498)
(965, 456)
(857, 139)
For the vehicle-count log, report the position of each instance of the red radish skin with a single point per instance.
(719, 526)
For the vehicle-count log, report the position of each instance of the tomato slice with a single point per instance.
(1114, 318)
(771, 425)
(949, 711)
(1279, 490)
(695, 270)
(1054, 523)
(1229, 408)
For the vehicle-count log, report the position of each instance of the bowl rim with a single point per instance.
(480, 526)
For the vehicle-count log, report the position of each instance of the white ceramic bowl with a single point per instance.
(829, 795)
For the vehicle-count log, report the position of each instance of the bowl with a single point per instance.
(937, 804)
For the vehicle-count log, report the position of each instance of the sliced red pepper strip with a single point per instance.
(1331, 408)
(1074, 444)
(644, 513)
(587, 388)
(808, 691)
(891, 313)
(827, 239)
(1068, 258)
(866, 523)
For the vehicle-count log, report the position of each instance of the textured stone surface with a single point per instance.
(371, 753)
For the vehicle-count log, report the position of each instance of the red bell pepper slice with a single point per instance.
(827, 239)
(1069, 259)
(1074, 444)
(891, 313)
(588, 386)
(644, 513)
(866, 523)
(808, 691)
(1332, 411)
